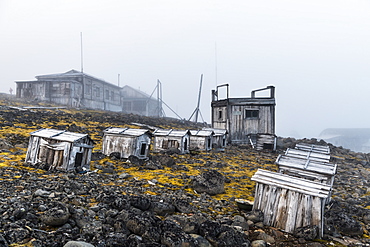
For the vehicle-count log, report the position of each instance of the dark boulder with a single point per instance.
(309, 233)
(57, 215)
(211, 182)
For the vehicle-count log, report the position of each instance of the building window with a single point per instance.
(107, 94)
(219, 114)
(112, 95)
(253, 114)
(97, 92)
(88, 89)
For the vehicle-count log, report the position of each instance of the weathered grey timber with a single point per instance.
(307, 155)
(263, 141)
(243, 116)
(171, 139)
(322, 172)
(201, 140)
(313, 148)
(127, 142)
(61, 150)
(289, 202)
(219, 138)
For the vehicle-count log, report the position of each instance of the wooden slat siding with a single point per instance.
(281, 212)
(270, 204)
(307, 164)
(313, 148)
(265, 139)
(300, 210)
(317, 213)
(307, 155)
(289, 202)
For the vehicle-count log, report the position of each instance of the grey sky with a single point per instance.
(316, 53)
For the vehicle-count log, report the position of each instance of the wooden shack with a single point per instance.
(61, 150)
(243, 116)
(126, 142)
(290, 202)
(219, 138)
(171, 139)
(201, 140)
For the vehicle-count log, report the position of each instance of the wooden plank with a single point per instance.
(307, 155)
(292, 203)
(313, 148)
(307, 164)
(281, 212)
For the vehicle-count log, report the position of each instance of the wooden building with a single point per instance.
(73, 89)
(127, 142)
(171, 139)
(219, 138)
(80, 90)
(244, 116)
(61, 150)
(290, 202)
(201, 140)
(137, 102)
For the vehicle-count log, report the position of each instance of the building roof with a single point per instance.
(126, 131)
(201, 132)
(70, 73)
(217, 132)
(60, 135)
(145, 95)
(171, 132)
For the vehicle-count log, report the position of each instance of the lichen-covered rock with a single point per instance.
(57, 215)
(211, 182)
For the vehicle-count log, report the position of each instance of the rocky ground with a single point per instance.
(169, 200)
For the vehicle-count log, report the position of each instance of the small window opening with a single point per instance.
(251, 113)
(209, 143)
(220, 114)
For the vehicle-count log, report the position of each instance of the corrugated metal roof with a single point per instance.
(171, 132)
(126, 131)
(60, 135)
(201, 132)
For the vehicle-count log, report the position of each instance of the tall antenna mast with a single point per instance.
(197, 110)
(82, 67)
(216, 63)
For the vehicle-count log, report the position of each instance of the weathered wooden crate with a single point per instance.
(290, 202)
(313, 148)
(323, 172)
(262, 141)
(307, 155)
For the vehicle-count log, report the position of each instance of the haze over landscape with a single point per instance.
(316, 53)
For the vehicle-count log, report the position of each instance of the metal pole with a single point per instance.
(200, 92)
(82, 67)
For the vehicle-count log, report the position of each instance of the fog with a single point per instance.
(316, 53)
